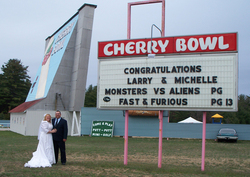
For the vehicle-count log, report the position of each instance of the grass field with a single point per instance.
(98, 156)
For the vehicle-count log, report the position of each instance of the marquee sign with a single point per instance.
(200, 82)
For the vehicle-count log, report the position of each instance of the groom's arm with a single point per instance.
(65, 131)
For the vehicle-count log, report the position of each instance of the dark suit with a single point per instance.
(62, 132)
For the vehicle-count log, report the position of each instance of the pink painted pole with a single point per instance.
(129, 21)
(168, 122)
(142, 3)
(160, 112)
(203, 142)
(163, 19)
(160, 139)
(126, 139)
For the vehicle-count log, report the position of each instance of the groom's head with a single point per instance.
(58, 114)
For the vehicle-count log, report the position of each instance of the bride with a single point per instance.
(44, 154)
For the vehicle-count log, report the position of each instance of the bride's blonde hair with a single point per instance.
(46, 116)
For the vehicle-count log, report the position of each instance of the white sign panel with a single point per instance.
(192, 82)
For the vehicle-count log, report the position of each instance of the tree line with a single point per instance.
(15, 84)
(240, 117)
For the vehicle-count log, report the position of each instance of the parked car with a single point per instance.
(227, 134)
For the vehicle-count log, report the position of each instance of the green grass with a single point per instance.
(99, 156)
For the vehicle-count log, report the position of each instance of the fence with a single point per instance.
(149, 126)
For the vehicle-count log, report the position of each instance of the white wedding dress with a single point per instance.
(44, 155)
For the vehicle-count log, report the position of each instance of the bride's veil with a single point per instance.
(40, 128)
(39, 131)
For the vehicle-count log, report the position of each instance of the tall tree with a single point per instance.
(90, 96)
(14, 85)
(244, 109)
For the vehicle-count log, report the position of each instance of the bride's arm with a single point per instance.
(52, 131)
(45, 128)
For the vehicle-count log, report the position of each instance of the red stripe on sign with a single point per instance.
(168, 45)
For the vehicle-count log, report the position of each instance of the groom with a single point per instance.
(60, 137)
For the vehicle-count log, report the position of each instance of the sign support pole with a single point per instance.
(168, 122)
(203, 142)
(126, 139)
(160, 138)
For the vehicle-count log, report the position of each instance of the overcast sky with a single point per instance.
(26, 24)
